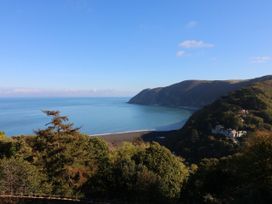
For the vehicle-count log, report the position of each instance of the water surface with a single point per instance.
(93, 115)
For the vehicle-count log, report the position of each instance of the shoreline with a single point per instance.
(162, 137)
(128, 136)
(122, 132)
(190, 108)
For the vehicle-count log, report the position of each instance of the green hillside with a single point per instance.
(192, 93)
(246, 110)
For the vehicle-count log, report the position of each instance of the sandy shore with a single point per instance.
(163, 137)
(117, 138)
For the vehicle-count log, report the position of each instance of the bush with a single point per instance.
(144, 173)
(18, 176)
(245, 177)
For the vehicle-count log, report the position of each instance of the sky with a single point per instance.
(119, 47)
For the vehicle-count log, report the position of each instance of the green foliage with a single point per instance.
(67, 156)
(7, 146)
(60, 160)
(248, 109)
(19, 176)
(245, 177)
(144, 173)
(2, 135)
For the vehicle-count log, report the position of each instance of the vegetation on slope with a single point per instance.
(142, 173)
(245, 177)
(248, 109)
(191, 93)
(60, 160)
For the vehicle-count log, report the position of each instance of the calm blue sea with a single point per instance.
(93, 115)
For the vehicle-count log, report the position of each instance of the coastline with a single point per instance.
(190, 108)
(121, 132)
(106, 115)
(120, 137)
(163, 137)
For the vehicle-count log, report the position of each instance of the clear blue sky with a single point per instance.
(123, 46)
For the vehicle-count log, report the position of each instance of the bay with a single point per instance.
(94, 115)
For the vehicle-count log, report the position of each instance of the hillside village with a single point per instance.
(231, 133)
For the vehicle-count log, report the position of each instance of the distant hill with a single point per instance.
(245, 110)
(191, 93)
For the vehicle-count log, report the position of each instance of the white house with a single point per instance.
(232, 133)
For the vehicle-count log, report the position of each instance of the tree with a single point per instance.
(245, 177)
(2, 135)
(52, 144)
(18, 176)
(7, 146)
(58, 124)
(140, 173)
(68, 157)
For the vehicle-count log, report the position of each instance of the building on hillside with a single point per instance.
(231, 133)
(244, 112)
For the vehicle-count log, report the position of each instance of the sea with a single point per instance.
(95, 116)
